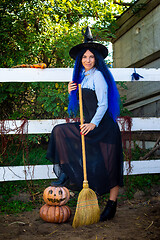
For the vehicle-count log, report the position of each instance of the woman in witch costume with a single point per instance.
(102, 135)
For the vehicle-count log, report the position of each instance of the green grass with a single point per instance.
(140, 182)
(35, 189)
(24, 149)
(16, 207)
(33, 156)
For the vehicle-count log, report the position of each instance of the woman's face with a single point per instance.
(88, 60)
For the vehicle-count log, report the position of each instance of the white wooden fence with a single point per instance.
(12, 173)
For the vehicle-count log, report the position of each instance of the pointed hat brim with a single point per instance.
(99, 47)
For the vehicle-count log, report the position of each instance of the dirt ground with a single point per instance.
(138, 219)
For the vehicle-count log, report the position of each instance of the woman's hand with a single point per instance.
(71, 86)
(87, 127)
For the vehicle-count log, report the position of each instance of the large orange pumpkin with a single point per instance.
(55, 214)
(56, 196)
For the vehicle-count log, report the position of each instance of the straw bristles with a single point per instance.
(87, 211)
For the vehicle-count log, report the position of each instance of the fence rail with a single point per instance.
(14, 173)
(46, 126)
(65, 74)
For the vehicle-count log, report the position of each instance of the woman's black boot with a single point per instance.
(109, 211)
(62, 180)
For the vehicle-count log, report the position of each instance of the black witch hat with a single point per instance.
(88, 43)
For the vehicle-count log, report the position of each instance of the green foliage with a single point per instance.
(53, 98)
(28, 151)
(138, 152)
(44, 31)
(33, 100)
(123, 111)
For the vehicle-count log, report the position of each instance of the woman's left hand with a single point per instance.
(87, 127)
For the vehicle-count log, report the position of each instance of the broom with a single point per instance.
(87, 210)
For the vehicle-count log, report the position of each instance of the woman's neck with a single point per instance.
(89, 71)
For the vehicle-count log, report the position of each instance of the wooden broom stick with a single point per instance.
(87, 210)
(82, 136)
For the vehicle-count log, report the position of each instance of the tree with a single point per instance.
(34, 31)
(44, 31)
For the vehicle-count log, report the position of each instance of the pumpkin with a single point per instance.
(55, 214)
(56, 196)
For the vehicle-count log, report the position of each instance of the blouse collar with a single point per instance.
(89, 72)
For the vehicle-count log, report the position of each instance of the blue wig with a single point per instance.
(113, 94)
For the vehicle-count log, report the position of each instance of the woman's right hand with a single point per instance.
(71, 86)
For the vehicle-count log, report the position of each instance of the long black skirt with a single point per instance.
(104, 156)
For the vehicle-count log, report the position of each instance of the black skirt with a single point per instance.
(104, 156)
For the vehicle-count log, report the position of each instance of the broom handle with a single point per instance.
(82, 136)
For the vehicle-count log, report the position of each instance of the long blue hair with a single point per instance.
(113, 94)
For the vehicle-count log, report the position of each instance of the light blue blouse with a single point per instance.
(94, 80)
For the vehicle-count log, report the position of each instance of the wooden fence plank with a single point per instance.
(65, 74)
(14, 173)
(46, 126)
(143, 167)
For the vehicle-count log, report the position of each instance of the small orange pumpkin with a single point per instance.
(55, 214)
(56, 196)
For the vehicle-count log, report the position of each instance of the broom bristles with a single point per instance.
(87, 210)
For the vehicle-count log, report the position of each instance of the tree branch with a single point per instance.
(122, 3)
(155, 148)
